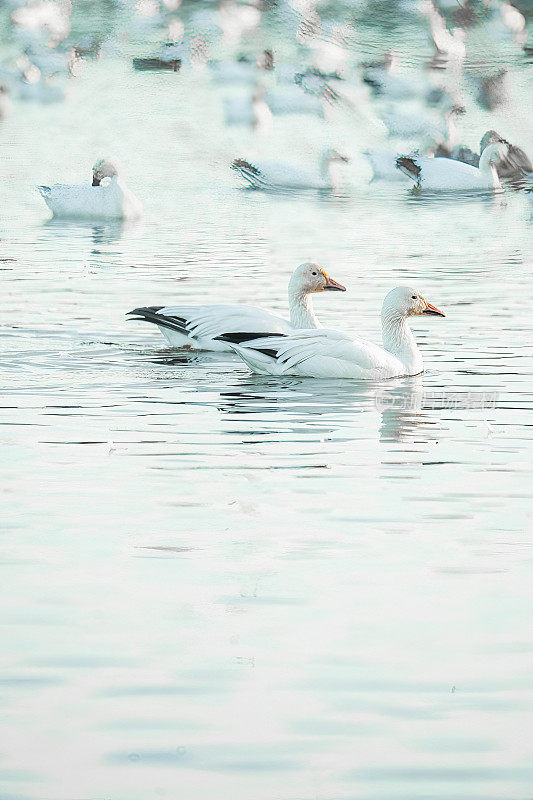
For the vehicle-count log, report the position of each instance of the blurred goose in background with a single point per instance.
(198, 327)
(244, 70)
(107, 198)
(42, 21)
(332, 354)
(445, 174)
(419, 123)
(506, 20)
(237, 20)
(450, 48)
(281, 175)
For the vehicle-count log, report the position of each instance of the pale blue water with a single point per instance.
(217, 585)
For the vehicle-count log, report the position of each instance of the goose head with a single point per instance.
(332, 156)
(105, 168)
(309, 278)
(492, 154)
(490, 137)
(404, 301)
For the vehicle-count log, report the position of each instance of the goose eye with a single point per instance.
(413, 297)
(313, 273)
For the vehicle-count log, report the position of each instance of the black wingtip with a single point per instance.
(241, 163)
(237, 337)
(408, 165)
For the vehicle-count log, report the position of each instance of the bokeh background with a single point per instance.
(217, 585)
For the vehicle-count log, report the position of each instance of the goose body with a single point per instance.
(446, 174)
(107, 198)
(198, 327)
(416, 123)
(282, 175)
(333, 354)
(383, 164)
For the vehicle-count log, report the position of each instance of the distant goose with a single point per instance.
(244, 70)
(281, 175)
(107, 198)
(332, 354)
(419, 123)
(156, 64)
(445, 174)
(198, 327)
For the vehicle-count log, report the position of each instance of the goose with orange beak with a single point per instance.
(203, 327)
(332, 354)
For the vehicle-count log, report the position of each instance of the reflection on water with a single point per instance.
(219, 585)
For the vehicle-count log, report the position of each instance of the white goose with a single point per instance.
(448, 175)
(197, 327)
(416, 123)
(281, 175)
(331, 354)
(107, 198)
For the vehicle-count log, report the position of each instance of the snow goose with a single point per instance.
(107, 198)
(445, 174)
(418, 123)
(281, 175)
(197, 327)
(332, 354)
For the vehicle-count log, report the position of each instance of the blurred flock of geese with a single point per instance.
(412, 115)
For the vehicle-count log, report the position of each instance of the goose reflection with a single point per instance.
(401, 407)
(328, 405)
(99, 234)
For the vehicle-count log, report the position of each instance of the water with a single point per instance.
(222, 585)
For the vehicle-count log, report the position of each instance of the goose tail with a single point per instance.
(151, 314)
(409, 167)
(247, 171)
(261, 359)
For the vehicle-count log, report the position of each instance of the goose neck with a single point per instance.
(399, 341)
(301, 308)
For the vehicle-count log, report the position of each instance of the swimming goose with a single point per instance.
(280, 175)
(332, 354)
(419, 123)
(445, 174)
(198, 327)
(107, 198)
